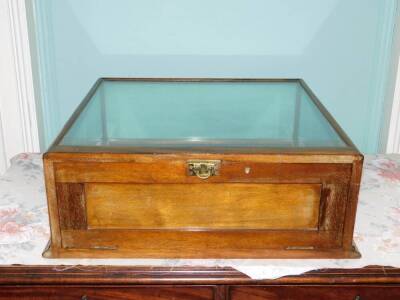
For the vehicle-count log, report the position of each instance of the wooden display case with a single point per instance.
(202, 168)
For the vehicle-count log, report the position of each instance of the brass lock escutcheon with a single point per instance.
(203, 168)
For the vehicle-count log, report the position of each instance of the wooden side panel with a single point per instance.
(333, 206)
(352, 201)
(52, 203)
(71, 204)
(198, 206)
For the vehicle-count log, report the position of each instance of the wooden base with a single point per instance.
(284, 208)
(193, 283)
(52, 252)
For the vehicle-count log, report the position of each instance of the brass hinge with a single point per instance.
(300, 248)
(104, 248)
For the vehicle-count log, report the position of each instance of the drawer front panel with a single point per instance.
(107, 293)
(314, 293)
(198, 206)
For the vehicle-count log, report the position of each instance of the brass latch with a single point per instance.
(203, 168)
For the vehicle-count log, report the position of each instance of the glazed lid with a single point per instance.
(194, 114)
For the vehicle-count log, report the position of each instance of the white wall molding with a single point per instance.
(393, 141)
(17, 100)
(3, 158)
(23, 67)
(390, 133)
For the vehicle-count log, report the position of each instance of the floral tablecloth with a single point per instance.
(24, 227)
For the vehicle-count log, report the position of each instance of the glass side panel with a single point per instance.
(206, 114)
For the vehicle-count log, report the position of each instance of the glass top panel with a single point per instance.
(167, 114)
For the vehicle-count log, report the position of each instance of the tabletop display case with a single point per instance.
(202, 168)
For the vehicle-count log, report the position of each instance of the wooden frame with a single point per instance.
(69, 170)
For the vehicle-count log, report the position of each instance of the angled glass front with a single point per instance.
(167, 114)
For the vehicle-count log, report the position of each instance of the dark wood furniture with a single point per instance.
(191, 283)
(265, 191)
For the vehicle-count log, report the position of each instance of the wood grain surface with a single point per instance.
(166, 169)
(72, 205)
(106, 293)
(198, 206)
(100, 243)
(375, 292)
(219, 283)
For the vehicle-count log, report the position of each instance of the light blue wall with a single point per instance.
(340, 47)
